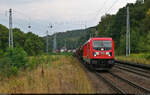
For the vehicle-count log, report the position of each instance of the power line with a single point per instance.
(29, 19)
(24, 15)
(101, 8)
(108, 9)
(112, 6)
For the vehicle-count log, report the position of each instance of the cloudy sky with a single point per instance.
(63, 15)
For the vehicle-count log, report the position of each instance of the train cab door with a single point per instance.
(88, 50)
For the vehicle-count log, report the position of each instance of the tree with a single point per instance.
(148, 42)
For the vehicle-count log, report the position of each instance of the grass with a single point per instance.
(143, 58)
(57, 74)
(62, 53)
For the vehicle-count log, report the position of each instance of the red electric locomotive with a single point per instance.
(98, 53)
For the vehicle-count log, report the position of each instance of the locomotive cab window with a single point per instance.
(102, 45)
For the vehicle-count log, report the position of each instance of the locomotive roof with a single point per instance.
(101, 38)
(97, 38)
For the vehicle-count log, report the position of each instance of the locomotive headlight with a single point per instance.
(107, 53)
(95, 53)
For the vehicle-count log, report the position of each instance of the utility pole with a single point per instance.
(10, 29)
(54, 43)
(128, 47)
(47, 42)
(96, 32)
(90, 35)
(141, 1)
(65, 46)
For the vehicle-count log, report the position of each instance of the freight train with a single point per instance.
(97, 53)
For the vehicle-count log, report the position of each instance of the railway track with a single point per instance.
(122, 85)
(113, 86)
(138, 65)
(135, 70)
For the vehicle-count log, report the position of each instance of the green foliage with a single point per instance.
(30, 42)
(1, 53)
(17, 56)
(63, 53)
(13, 60)
(148, 41)
(33, 44)
(71, 38)
(32, 63)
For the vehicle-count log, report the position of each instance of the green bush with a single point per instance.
(17, 56)
(13, 60)
(148, 56)
(6, 67)
(12, 71)
(1, 53)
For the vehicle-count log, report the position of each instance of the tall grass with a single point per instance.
(54, 74)
(143, 58)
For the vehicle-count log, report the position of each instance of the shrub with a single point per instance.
(148, 56)
(14, 59)
(17, 56)
(1, 53)
(32, 63)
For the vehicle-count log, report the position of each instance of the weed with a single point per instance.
(61, 75)
(142, 58)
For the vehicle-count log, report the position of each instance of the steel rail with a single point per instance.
(139, 65)
(117, 89)
(135, 68)
(131, 83)
(147, 76)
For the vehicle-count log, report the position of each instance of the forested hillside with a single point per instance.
(30, 42)
(72, 39)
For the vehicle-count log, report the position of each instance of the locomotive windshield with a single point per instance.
(97, 45)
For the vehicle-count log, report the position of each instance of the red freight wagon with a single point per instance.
(99, 53)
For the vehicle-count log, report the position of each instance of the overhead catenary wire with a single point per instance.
(112, 6)
(29, 20)
(106, 11)
(99, 11)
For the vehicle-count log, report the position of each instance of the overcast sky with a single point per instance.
(62, 14)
